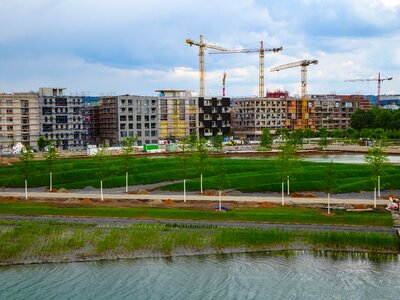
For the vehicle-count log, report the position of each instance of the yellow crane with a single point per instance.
(261, 51)
(202, 46)
(303, 64)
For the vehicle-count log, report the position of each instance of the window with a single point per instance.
(122, 118)
(146, 118)
(122, 126)
(61, 119)
(61, 101)
(139, 118)
(10, 128)
(138, 126)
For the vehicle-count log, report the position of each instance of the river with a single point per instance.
(300, 275)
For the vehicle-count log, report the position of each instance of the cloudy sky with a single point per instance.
(136, 47)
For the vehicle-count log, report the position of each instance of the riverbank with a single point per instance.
(32, 242)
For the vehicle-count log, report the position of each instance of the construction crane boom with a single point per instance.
(202, 46)
(303, 64)
(379, 80)
(261, 64)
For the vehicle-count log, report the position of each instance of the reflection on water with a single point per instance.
(300, 275)
(346, 158)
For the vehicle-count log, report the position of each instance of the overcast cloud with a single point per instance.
(136, 47)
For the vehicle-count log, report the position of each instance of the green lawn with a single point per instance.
(276, 214)
(248, 175)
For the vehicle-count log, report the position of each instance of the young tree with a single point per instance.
(217, 142)
(43, 142)
(378, 161)
(266, 139)
(26, 156)
(128, 150)
(185, 158)
(201, 155)
(323, 138)
(50, 158)
(330, 182)
(102, 158)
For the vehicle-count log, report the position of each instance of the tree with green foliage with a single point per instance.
(102, 159)
(286, 160)
(201, 155)
(26, 157)
(295, 138)
(378, 161)
(128, 150)
(43, 142)
(217, 142)
(185, 159)
(51, 156)
(266, 139)
(323, 138)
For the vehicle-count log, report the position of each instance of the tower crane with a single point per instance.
(303, 64)
(261, 64)
(202, 46)
(379, 80)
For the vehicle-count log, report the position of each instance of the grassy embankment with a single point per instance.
(28, 241)
(247, 175)
(293, 215)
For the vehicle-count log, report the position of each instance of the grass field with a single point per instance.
(275, 215)
(24, 241)
(248, 175)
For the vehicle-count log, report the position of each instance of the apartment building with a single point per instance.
(138, 117)
(214, 116)
(19, 119)
(107, 122)
(251, 115)
(335, 111)
(178, 113)
(61, 118)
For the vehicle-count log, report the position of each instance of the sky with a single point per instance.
(119, 47)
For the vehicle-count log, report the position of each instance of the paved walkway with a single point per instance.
(192, 197)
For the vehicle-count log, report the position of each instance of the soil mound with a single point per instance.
(8, 161)
(156, 202)
(266, 204)
(139, 192)
(62, 190)
(305, 195)
(85, 201)
(8, 199)
(169, 202)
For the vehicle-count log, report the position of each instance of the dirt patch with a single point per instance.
(8, 161)
(71, 201)
(86, 201)
(8, 199)
(266, 204)
(139, 192)
(155, 202)
(305, 195)
(390, 196)
(62, 190)
(360, 206)
(53, 191)
(169, 202)
(325, 214)
(213, 193)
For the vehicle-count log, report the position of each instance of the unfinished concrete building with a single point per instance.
(19, 119)
(178, 113)
(251, 115)
(61, 118)
(108, 121)
(335, 111)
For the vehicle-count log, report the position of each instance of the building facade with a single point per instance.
(335, 111)
(178, 114)
(251, 115)
(61, 118)
(138, 117)
(19, 119)
(214, 117)
(108, 121)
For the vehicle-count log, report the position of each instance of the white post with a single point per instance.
(101, 190)
(379, 186)
(375, 197)
(51, 181)
(329, 203)
(219, 201)
(288, 191)
(126, 180)
(283, 193)
(26, 189)
(201, 183)
(184, 190)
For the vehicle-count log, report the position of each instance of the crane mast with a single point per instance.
(379, 80)
(202, 46)
(261, 52)
(303, 64)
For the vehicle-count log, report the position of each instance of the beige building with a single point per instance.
(19, 119)
(251, 115)
(178, 113)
